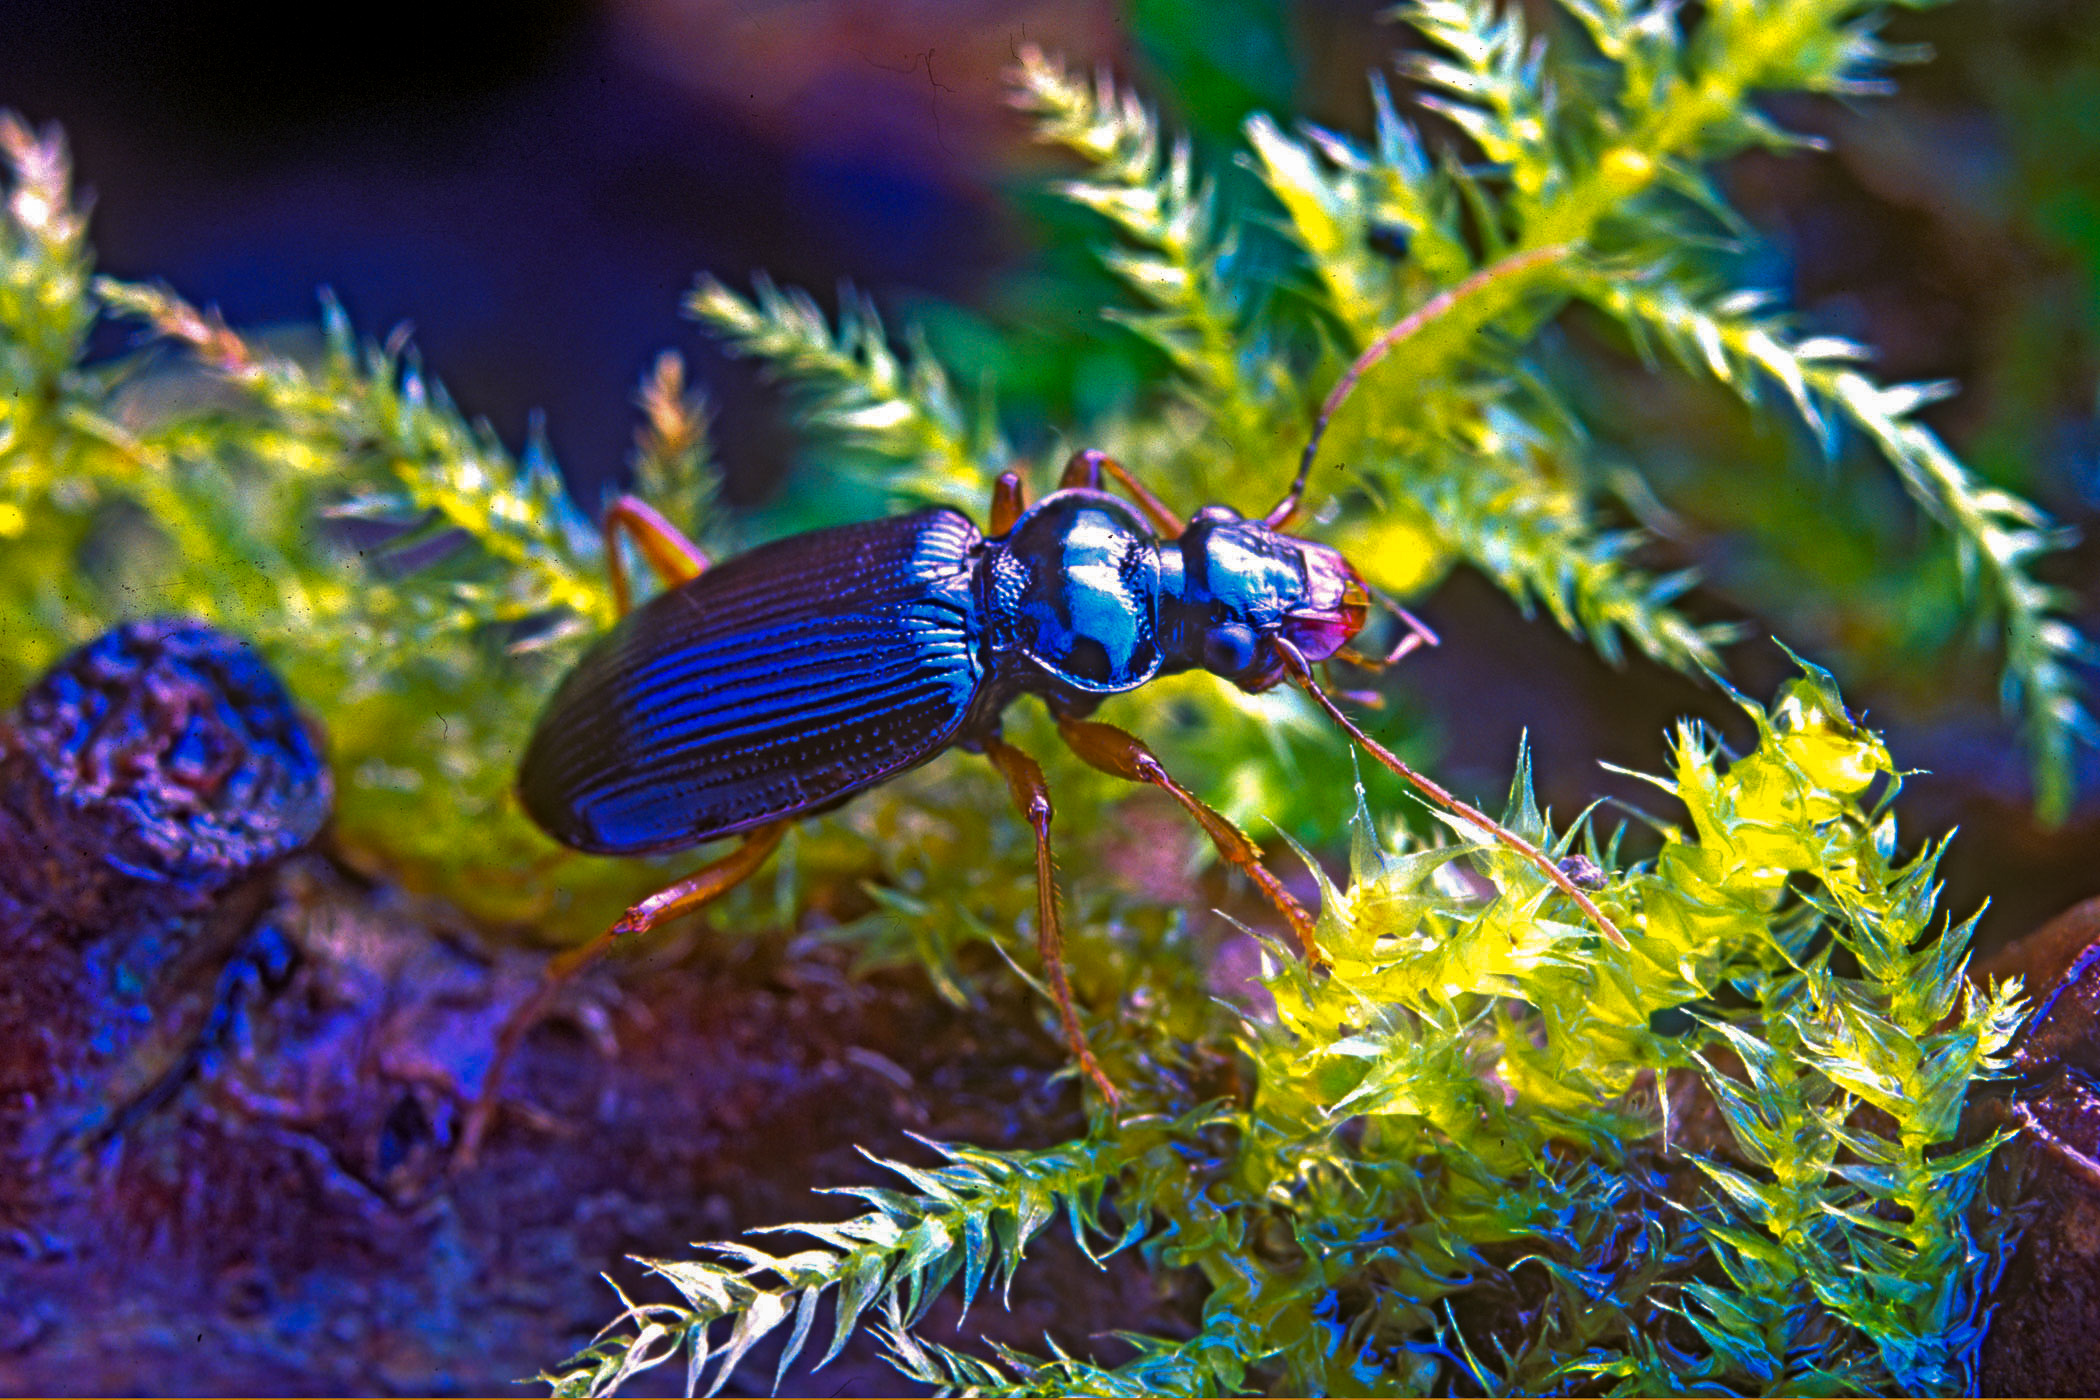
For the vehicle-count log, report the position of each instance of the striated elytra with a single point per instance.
(789, 678)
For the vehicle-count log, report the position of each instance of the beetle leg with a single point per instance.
(1024, 779)
(1085, 469)
(1113, 750)
(674, 558)
(710, 882)
(1009, 499)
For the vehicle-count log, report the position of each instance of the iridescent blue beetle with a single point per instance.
(781, 682)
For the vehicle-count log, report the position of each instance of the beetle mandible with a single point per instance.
(779, 683)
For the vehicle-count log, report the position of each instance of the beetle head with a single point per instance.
(1244, 586)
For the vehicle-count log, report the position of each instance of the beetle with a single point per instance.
(783, 681)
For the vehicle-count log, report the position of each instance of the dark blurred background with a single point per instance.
(532, 186)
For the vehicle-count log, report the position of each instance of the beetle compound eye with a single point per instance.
(1228, 649)
(1389, 239)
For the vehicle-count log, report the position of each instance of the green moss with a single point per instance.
(1469, 1115)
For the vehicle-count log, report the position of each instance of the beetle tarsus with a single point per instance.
(1116, 751)
(1024, 779)
(709, 883)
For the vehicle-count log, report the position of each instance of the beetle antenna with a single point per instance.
(1287, 508)
(1301, 670)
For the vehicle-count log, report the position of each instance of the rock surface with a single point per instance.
(2045, 1339)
